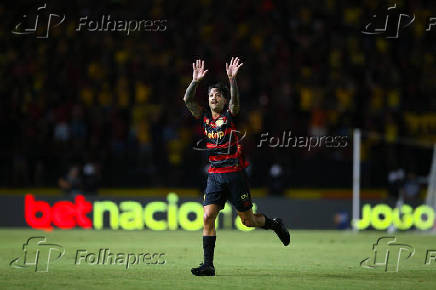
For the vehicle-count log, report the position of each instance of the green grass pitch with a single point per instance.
(243, 260)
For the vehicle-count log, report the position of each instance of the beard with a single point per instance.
(216, 107)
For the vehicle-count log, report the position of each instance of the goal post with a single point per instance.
(356, 178)
(431, 189)
(427, 172)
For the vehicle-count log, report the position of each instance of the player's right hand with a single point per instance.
(198, 70)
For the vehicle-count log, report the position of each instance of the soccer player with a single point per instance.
(227, 179)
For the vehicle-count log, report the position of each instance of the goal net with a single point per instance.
(431, 190)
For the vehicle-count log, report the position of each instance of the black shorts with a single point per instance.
(232, 186)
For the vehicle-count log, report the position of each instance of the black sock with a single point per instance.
(208, 248)
(268, 223)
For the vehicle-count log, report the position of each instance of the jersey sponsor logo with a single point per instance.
(215, 135)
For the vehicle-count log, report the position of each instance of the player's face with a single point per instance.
(216, 100)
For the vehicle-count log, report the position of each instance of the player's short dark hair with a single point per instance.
(224, 90)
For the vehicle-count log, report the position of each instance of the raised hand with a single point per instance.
(233, 67)
(198, 70)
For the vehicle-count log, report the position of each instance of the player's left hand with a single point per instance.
(233, 67)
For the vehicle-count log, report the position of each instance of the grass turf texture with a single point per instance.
(250, 260)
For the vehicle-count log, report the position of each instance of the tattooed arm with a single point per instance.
(197, 75)
(232, 71)
(191, 104)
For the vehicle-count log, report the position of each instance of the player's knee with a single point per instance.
(208, 218)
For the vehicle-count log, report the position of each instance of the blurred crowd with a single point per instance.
(115, 101)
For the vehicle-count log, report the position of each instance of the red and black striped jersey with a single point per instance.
(222, 143)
